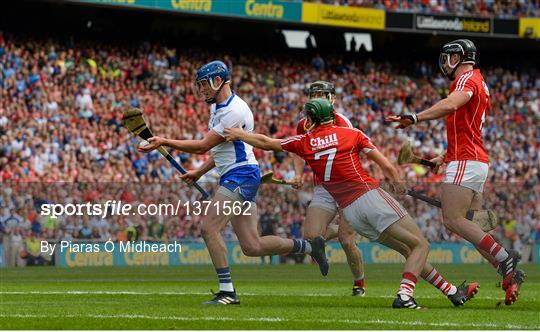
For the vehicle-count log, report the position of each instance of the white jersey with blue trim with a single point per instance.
(233, 113)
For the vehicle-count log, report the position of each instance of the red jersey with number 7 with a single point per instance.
(464, 126)
(333, 153)
(340, 120)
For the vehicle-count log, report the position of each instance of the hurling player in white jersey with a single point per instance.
(239, 182)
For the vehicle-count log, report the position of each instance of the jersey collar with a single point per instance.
(218, 106)
(323, 127)
(468, 71)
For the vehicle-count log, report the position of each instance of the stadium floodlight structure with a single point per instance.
(298, 38)
(359, 40)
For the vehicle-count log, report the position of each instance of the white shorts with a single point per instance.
(373, 212)
(322, 199)
(471, 174)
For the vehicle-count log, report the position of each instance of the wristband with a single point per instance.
(412, 117)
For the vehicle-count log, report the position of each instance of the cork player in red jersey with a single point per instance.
(333, 153)
(322, 209)
(465, 111)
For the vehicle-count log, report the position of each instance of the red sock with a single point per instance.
(407, 284)
(360, 283)
(437, 280)
(489, 245)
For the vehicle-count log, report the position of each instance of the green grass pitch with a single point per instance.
(273, 297)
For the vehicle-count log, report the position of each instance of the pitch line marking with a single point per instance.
(273, 320)
(206, 293)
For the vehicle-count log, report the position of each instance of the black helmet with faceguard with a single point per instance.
(321, 87)
(462, 47)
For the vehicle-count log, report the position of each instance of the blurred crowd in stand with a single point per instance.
(61, 138)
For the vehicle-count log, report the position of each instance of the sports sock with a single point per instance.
(301, 247)
(406, 287)
(489, 245)
(225, 281)
(360, 282)
(437, 280)
(498, 267)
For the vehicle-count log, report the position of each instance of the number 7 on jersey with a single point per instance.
(331, 154)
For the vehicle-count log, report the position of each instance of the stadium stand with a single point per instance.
(61, 102)
(488, 8)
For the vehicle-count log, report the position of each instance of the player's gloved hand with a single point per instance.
(154, 143)
(403, 120)
(398, 188)
(190, 177)
(297, 182)
(439, 161)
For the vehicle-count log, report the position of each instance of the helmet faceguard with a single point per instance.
(444, 63)
(464, 48)
(206, 83)
(322, 89)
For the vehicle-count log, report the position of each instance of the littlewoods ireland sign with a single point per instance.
(452, 23)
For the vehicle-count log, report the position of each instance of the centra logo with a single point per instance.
(195, 5)
(318, 143)
(268, 9)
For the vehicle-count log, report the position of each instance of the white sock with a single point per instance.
(226, 287)
(308, 248)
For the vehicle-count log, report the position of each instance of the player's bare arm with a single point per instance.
(389, 171)
(441, 109)
(256, 140)
(210, 140)
(194, 175)
(298, 164)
